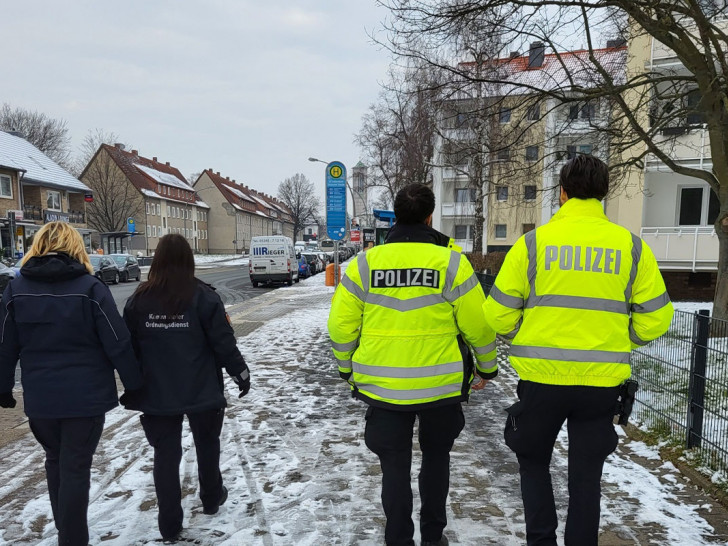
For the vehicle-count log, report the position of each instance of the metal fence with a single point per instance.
(683, 393)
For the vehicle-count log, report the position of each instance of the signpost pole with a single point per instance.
(336, 263)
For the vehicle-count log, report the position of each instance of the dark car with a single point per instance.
(304, 270)
(128, 267)
(313, 262)
(105, 268)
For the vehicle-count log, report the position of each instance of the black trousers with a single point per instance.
(69, 445)
(389, 435)
(164, 434)
(531, 429)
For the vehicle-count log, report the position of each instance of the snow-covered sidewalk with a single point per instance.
(298, 471)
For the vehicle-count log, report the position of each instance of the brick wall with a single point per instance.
(685, 285)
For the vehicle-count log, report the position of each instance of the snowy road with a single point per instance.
(298, 472)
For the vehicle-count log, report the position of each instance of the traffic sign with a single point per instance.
(336, 200)
(130, 225)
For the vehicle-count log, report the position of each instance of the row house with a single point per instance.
(519, 141)
(672, 212)
(160, 201)
(238, 212)
(35, 190)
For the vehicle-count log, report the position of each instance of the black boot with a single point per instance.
(442, 542)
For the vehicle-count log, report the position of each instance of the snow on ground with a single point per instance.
(693, 306)
(206, 261)
(294, 460)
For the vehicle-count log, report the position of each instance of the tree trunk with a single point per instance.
(479, 220)
(720, 303)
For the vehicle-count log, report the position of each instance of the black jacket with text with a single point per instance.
(63, 325)
(182, 355)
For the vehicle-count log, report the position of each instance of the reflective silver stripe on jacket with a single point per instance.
(363, 265)
(453, 265)
(512, 302)
(462, 288)
(634, 338)
(485, 349)
(652, 305)
(415, 372)
(530, 240)
(352, 287)
(346, 364)
(411, 394)
(487, 365)
(569, 355)
(578, 302)
(404, 305)
(345, 346)
(636, 255)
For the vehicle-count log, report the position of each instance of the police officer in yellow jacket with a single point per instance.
(403, 322)
(576, 295)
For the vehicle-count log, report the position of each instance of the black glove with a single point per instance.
(7, 400)
(344, 376)
(242, 380)
(131, 399)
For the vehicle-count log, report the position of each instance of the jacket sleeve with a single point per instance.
(115, 337)
(130, 319)
(467, 298)
(345, 318)
(504, 307)
(9, 344)
(220, 334)
(650, 304)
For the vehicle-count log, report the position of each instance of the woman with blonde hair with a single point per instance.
(61, 322)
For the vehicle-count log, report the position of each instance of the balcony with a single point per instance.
(31, 212)
(684, 248)
(77, 217)
(465, 244)
(458, 210)
(455, 173)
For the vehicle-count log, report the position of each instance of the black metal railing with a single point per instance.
(683, 393)
(32, 212)
(77, 217)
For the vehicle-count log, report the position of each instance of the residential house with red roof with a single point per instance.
(238, 212)
(154, 195)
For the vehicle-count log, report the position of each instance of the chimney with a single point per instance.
(167, 163)
(514, 55)
(135, 152)
(227, 178)
(154, 159)
(120, 146)
(536, 55)
(218, 173)
(618, 42)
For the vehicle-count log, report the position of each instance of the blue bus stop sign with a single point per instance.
(336, 200)
(130, 225)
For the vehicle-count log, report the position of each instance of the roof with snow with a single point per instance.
(151, 177)
(19, 154)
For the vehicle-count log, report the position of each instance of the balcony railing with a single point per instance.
(77, 217)
(458, 209)
(32, 212)
(693, 248)
(455, 172)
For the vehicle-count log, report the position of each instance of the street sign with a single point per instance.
(336, 200)
(130, 225)
(354, 234)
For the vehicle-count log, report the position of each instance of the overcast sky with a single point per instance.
(250, 88)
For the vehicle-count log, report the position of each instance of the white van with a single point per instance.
(272, 259)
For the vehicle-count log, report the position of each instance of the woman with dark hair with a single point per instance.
(182, 337)
(61, 322)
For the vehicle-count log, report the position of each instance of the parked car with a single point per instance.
(314, 262)
(105, 268)
(128, 267)
(272, 259)
(304, 270)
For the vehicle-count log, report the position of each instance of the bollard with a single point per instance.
(330, 275)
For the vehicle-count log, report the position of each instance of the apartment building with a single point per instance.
(35, 190)
(238, 212)
(513, 145)
(163, 202)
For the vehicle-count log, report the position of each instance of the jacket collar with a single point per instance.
(416, 233)
(580, 207)
(53, 267)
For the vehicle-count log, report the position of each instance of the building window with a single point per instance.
(505, 115)
(54, 200)
(583, 149)
(159, 210)
(169, 211)
(528, 227)
(504, 154)
(464, 195)
(502, 193)
(694, 116)
(164, 222)
(464, 233)
(698, 206)
(501, 231)
(531, 153)
(529, 193)
(147, 208)
(534, 112)
(6, 187)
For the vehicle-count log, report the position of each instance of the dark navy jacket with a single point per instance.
(63, 324)
(182, 355)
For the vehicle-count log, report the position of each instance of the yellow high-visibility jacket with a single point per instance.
(577, 295)
(395, 323)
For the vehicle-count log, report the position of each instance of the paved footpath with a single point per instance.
(298, 471)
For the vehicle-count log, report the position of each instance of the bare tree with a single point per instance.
(299, 195)
(47, 134)
(649, 106)
(90, 145)
(115, 198)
